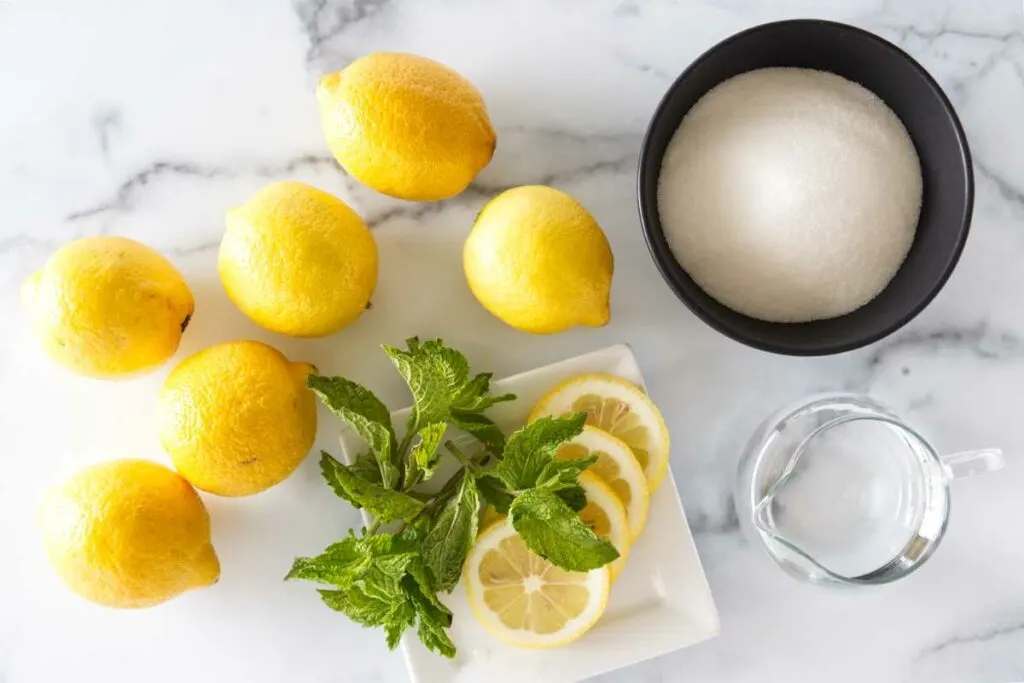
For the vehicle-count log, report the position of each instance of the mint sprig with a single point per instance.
(391, 579)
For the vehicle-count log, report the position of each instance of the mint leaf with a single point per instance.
(550, 528)
(450, 537)
(383, 503)
(494, 492)
(340, 564)
(561, 474)
(364, 412)
(472, 390)
(473, 396)
(434, 620)
(481, 427)
(532, 448)
(424, 455)
(365, 467)
(435, 375)
(574, 496)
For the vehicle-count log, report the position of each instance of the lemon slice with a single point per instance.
(616, 466)
(525, 600)
(606, 516)
(620, 408)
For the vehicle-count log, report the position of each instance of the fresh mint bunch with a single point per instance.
(391, 578)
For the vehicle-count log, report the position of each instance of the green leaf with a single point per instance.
(434, 620)
(532, 448)
(434, 374)
(481, 427)
(554, 531)
(574, 496)
(424, 455)
(561, 474)
(365, 467)
(383, 503)
(473, 390)
(494, 492)
(393, 630)
(452, 534)
(365, 413)
(473, 396)
(340, 564)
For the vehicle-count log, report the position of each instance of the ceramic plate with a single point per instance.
(660, 603)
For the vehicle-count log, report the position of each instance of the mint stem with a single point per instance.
(406, 442)
(467, 462)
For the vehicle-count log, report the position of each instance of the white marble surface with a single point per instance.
(150, 119)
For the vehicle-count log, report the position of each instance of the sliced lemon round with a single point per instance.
(618, 407)
(605, 514)
(524, 600)
(616, 466)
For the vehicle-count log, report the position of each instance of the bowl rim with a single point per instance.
(650, 221)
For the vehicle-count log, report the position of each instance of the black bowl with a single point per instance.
(917, 100)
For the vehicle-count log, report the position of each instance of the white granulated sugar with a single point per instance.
(790, 195)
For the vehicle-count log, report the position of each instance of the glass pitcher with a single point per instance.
(839, 490)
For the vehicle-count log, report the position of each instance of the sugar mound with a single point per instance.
(790, 195)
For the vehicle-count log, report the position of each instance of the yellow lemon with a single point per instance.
(616, 466)
(606, 516)
(620, 408)
(128, 533)
(539, 261)
(298, 261)
(108, 306)
(405, 125)
(237, 418)
(526, 601)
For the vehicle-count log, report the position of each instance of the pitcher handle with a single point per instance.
(969, 463)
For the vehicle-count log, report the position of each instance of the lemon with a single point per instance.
(525, 600)
(620, 408)
(298, 261)
(538, 261)
(128, 533)
(406, 125)
(606, 516)
(616, 466)
(108, 306)
(237, 418)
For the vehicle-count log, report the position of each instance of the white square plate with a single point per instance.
(660, 603)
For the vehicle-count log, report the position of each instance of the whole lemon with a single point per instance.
(539, 261)
(298, 261)
(128, 533)
(237, 418)
(406, 125)
(108, 306)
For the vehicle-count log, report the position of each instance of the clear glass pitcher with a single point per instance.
(839, 490)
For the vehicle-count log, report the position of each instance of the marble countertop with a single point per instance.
(151, 119)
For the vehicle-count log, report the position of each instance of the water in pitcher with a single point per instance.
(851, 499)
